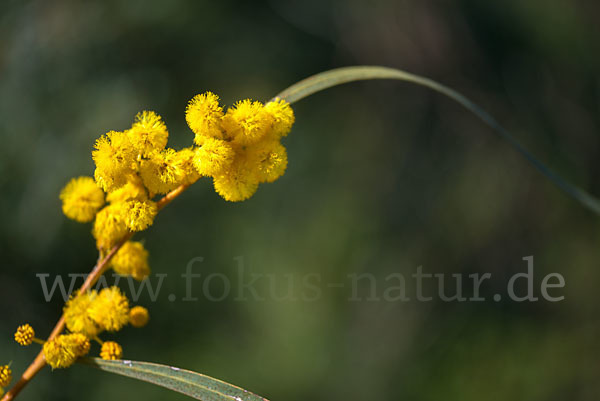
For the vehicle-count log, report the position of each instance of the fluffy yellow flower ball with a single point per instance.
(64, 350)
(77, 318)
(131, 260)
(110, 309)
(115, 159)
(162, 172)
(138, 316)
(109, 226)
(237, 183)
(204, 115)
(148, 134)
(133, 190)
(269, 160)
(247, 122)
(139, 215)
(213, 157)
(81, 198)
(283, 117)
(184, 159)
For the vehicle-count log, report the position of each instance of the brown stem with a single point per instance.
(40, 361)
(168, 198)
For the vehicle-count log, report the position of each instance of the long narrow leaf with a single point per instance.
(328, 79)
(190, 383)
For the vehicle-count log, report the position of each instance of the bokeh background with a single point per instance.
(383, 177)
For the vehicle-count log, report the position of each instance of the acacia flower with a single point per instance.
(58, 355)
(237, 183)
(110, 309)
(109, 226)
(131, 260)
(25, 335)
(139, 215)
(283, 117)
(77, 318)
(148, 134)
(62, 351)
(184, 159)
(213, 157)
(161, 172)
(81, 198)
(138, 316)
(247, 122)
(115, 159)
(132, 190)
(269, 159)
(5, 375)
(111, 351)
(248, 152)
(204, 115)
(78, 342)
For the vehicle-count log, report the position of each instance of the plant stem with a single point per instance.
(40, 361)
(338, 76)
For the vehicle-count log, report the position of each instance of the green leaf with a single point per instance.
(190, 383)
(328, 79)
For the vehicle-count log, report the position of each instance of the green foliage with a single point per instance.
(193, 384)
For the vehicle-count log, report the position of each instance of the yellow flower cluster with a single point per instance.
(92, 312)
(25, 335)
(138, 316)
(5, 377)
(111, 351)
(86, 316)
(81, 199)
(63, 351)
(239, 148)
(131, 260)
(132, 167)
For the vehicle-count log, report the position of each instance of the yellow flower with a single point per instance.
(5, 375)
(24, 335)
(270, 160)
(132, 260)
(185, 160)
(133, 190)
(148, 134)
(162, 173)
(247, 122)
(238, 183)
(109, 226)
(115, 159)
(283, 117)
(77, 317)
(213, 157)
(64, 350)
(139, 316)
(203, 115)
(139, 215)
(78, 342)
(111, 351)
(57, 354)
(110, 309)
(81, 199)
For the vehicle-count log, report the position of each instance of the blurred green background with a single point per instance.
(383, 177)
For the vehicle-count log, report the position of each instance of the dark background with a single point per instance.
(383, 177)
